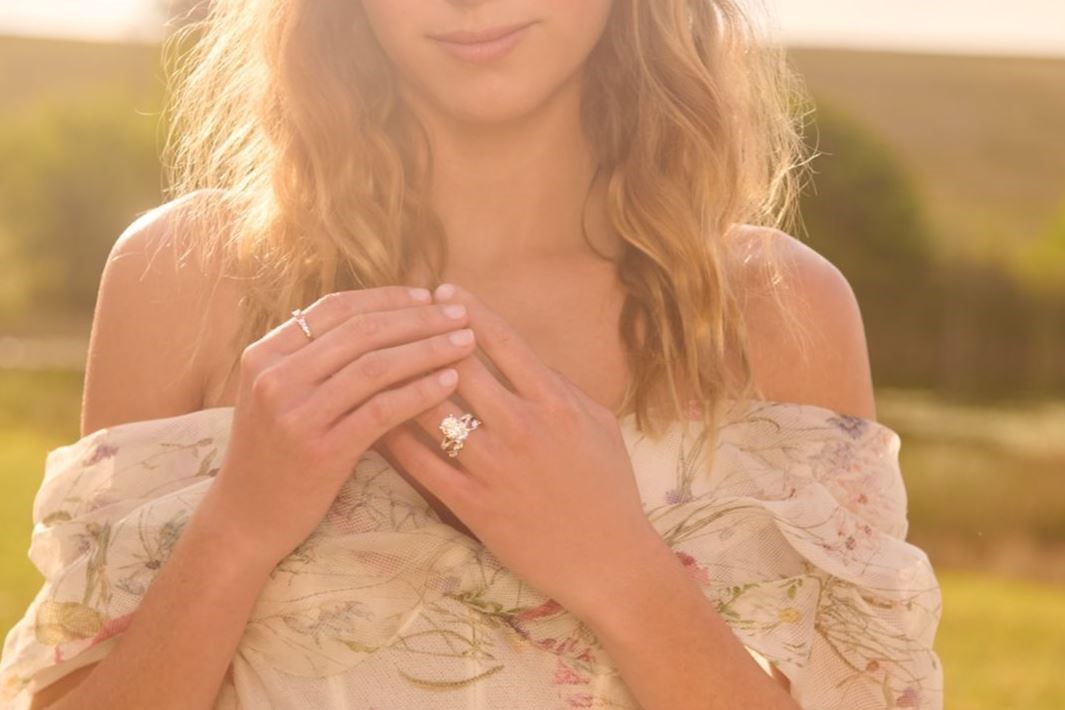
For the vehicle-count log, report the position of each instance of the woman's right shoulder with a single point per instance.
(159, 311)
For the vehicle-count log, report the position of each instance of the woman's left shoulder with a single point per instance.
(805, 330)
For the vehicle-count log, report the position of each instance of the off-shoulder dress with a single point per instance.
(797, 536)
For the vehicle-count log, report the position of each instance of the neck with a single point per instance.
(516, 191)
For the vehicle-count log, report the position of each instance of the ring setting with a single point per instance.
(456, 430)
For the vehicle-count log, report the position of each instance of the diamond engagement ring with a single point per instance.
(455, 430)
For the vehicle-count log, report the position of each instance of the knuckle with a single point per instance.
(267, 386)
(317, 450)
(341, 305)
(560, 410)
(373, 365)
(364, 325)
(352, 303)
(427, 390)
(498, 331)
(380, 410)
(335, 350)
(332, 302)
(426, 316)
(251, 358)
(290, 425)
(438, 347)
(519, 428)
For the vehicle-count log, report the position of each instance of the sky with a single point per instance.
(1034, 27)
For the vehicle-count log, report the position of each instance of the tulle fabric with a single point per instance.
(797, 537)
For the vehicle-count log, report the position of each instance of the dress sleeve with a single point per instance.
(799, 539)
(135, 483)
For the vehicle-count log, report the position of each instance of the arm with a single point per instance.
(141, 365)
(182, 638)
(671, 646)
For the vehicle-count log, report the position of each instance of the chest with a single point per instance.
(568, 316)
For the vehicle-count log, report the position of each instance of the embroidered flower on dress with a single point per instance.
(789, 615)
(548, 608)
(853, 426)
(678, 495)
(910, 698)
(565, 675)
(697, 572)
(838, 456)
(102, 451)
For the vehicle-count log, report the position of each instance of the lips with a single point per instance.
(479, 36)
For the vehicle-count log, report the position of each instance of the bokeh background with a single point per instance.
(940, 193)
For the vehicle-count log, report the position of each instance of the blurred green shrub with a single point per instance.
(1043, 264)
(74, 171)
(932, 319)
(863, 212)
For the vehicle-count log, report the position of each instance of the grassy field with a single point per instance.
(986, 482)
(975, 499)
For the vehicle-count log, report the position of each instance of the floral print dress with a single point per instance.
(797, 536)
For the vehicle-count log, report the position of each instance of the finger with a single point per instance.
(508, 351)
(376, 369)
(365, 332)
(387, 409)
(334, 308)
(477, 449)
(455, 488)
(480, 390)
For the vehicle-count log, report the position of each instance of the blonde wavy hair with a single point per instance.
(309, 187)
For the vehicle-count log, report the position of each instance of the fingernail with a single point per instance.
(455, 310)
(445, 291)
(447, 377)
(421, 295)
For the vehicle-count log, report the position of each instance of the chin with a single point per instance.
(496, 98)
(488, 108)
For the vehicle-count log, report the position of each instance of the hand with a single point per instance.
(307, 410)
(545, 481)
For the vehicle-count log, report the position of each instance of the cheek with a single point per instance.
(390, 21)
(551, 52)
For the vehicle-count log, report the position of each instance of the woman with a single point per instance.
(343, 507)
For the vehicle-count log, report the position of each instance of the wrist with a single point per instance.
(219, 527)
(645, 574)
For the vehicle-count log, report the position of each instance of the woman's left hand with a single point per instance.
(545, 482)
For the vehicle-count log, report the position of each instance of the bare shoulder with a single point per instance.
(805, 329)
(153, 322)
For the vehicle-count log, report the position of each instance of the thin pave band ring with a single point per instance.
(302, 322)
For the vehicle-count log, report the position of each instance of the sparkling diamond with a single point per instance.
(453, 428)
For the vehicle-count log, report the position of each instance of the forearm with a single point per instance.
(179, 644)
(672, 648)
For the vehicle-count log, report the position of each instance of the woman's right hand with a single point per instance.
(307, 410)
